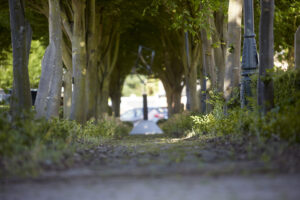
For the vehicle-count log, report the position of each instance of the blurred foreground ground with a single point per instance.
(161, 168)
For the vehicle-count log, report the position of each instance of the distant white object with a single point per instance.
(145, 127)
(128, 103)
(136, 114)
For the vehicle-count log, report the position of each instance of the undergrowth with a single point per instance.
(281, 123)
(28, 144)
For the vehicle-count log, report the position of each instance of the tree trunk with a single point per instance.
(192, 84)
(266, 56)
(116, 102)
(49, 91)
(115, 88)
(103, 98)
(67, 77)
(233, 52)
(170, 69)
(67, 94)
(173, 99)
(78, 108)
(297, 48)
(191, 57)
(208, 58)
(109, 51)
(209, 64)
(203, 87)
(21, 40)
(92, 85)
(218, 56)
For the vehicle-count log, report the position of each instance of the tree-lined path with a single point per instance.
(229, 76)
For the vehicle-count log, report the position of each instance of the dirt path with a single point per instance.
(163, 168)
(157, 188)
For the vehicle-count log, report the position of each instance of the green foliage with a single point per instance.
(5, 41)
(286, 87)
(35, 63)
(188, 15)
(27, 143)
(34, 66)
(282, 122)
(178, 125)
(286, 22)
(133, 85)
(106, 127)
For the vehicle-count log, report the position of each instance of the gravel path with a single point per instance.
(158, 168)
(157, 188)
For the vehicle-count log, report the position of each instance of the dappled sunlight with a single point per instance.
(82, 44)
(235, 13)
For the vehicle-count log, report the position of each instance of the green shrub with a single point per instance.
(178, 125)
(28, 142)
(107, 127)
(282, 122)
(286, 87)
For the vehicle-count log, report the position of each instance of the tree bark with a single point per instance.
(109, 51)
(173, 99)
(79, 61)
(170, 70)
(115, 87)
(67, 77)
(218, 55)
(116, 102)
(297, 48)
(49, 91)
(208, 58)
(191, 58)
(266, 56)
(203, 91)
(92, 86)
(103, 98)
(191, 78)
(21, 34)
(233, 52)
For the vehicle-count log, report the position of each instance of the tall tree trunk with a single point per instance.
(233, 53)
(49, 91)
(79, 61)
(218, 54)
(67, 77)
(209, 64)
(115, 88)
(103, 98)
(170, 69)
(116, 102)
(109, 54)
(67, 93)
(173, 98)
(191, 57)
(21, 40)
(266, 56)
(92, 86)
(203, 91)
(297, 48)
(192, 83)
(208, 58)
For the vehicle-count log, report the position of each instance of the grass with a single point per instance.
(29, 146)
